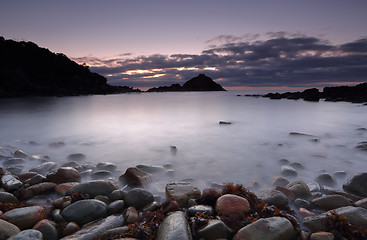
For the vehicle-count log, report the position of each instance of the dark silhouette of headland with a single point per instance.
(28, 70)
(354, 94)
(198, 83)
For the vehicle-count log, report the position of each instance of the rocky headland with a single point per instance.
(354, 94)
(41, 198)
(28, 70)
(198, 83)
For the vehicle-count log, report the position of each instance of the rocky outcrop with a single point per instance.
(198, 83)
(28, 70)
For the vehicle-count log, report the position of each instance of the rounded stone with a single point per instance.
(117, 195)
(107, 166)
(131, 215)
(325, 179)
(6, 197)
(200, 209)
(274, 197)
(71, 228)
(64, 187)
(13, 161)
(93, 188)
(116, 206)
(322, 236)
(101, 174)
(299, 188)
(288, 171)
(330, 202)
(76, 157)
(25, 217)
(63, 175)
(44, 168)
(357, 185)
(84, 211)
(29, 234)
(20, 154)
(138, 198)
(7, 229)
(174, 227)
(47, 228)
(273, 228)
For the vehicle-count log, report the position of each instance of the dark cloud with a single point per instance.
(282, 60)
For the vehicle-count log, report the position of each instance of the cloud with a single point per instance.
(291, 60)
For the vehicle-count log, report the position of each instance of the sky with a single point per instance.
(241, 44)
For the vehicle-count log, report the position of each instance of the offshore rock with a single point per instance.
(354, 215)
(20, 154)
(7, 229)
(84, 211)
(181, 192)
(29, 234)
(63, 175)
(25, 217)
(13, 161)
(76, 157)
(96, 229)
(138, 198)
(93, 188)
(357, 185)
(288, 171)
(325, 179)
(107, 166)
(174, 227)
(274, 228)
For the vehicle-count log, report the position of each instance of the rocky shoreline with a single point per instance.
(77, 200)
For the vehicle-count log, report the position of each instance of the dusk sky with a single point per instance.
(240, 44)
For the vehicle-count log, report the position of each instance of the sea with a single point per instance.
(182, 132)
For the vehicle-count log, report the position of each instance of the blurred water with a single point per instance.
(133, 129)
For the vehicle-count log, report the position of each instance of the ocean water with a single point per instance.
(132, 129)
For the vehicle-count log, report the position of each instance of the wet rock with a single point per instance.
(26, 176)
(181, 192)
(71, 228)
(10, 183)
(63, 175)
(174, 227)
(279, 181)
(200, 209)
(322, 236)
(357, 185)
(116, 207)
(340, 174)
(84, 211)
(314, 187)
(56, 144)
(44, 168)
(362, 146)
(150, 168)
(37, 189)
(297, 165)
(64, 187)
(47, 228)
(72, 164)
(6, 197)
(301, 203)
(329, 202)
(135, 177)
(362, 203)
(7, 230)
(209, 196)
(215, 229)
(56, 215)
(325, 179)
(273, 197)
(20, 154)
(283, 161)
(107, 166)
(104, 199)
(231, 209)
(76, 157)
(96, 229)
(93, 188)
(273, 228)
(138, 198)
(151, 207)
(25, 217)
(131, 215)
(299, 188)
(15, 169)
(29, 234)
(354, 215)
(224, 123)
(39, 200)
(288, 193)
(101, 174)
(288, 171)
(37, 178)
(305, 213)
(13, 161)
(170, 206)
(117, 195)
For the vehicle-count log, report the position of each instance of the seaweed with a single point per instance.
(4, 207)
(340, 227)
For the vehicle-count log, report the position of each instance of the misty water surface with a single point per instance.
(133, 129)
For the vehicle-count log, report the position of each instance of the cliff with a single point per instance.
(28, 70)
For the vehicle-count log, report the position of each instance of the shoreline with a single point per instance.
(59, 201)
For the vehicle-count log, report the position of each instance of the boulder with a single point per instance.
(357, 185)
(84, 211)
(93, 188)
(63, 175)
(174, 227)
(273, 228)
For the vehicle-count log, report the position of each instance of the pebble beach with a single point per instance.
(80, 200)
